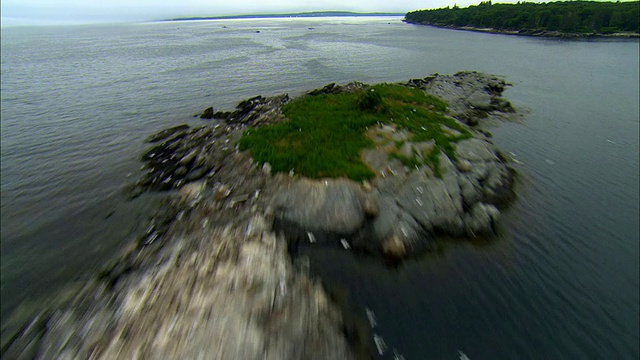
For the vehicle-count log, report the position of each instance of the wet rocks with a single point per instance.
(436, 206)
(457, 196)
(182, 155)
(328, 89)
(471, 95)
(393, 232)
(166, 133)
(336, 89)
(397, 213)
(254, 111)
(227, 291)
(484, 169)
(207, 113)
(482, 219)
(334, 206)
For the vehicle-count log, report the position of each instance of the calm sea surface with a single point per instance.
(562, 282)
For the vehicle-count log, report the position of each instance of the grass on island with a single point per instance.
(323, 135)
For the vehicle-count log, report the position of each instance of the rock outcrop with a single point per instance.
(471, 95)
(397, 215)
(208, 279)
(254, 111)
(211, 275)
(336, 206)
(460, 197)
(400, 210)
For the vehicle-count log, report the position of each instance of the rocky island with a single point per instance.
(378, 169)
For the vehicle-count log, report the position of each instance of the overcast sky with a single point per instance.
(52, 11)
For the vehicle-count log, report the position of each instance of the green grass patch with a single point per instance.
(324, 134)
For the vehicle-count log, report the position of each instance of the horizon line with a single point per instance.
(318, 13)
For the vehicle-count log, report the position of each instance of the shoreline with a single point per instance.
(216, 268)
(285, 15)
(534, 33)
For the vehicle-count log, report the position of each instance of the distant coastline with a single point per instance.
(568, 19)
(286, 15)
(534, 33)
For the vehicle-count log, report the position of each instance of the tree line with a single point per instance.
(565, 16)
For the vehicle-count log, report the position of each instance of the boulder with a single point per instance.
(470, 95)
(393, 232)
(334, 206)
(328, 89)
(167, 133)
(434, 203)
(445, 165)
(207, 113)
(378, 160)
(481, 220)
(498, 185)
(406, 150)
(479, 99)
(424, 148)
(476, 150)
(470, 189)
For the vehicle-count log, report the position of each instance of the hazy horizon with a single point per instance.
(42, 12)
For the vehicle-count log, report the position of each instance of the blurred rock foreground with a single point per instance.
(212, 277)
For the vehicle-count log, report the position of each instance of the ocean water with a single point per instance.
(560, 282)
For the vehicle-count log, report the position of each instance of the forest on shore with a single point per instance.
(564, 16)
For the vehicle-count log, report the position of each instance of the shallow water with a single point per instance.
(562, 281)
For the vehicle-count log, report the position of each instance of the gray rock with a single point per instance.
(449, 131)
(445, 165)
(481, 219)
(498, 185)
(480, 99)
(430, 202)
(470, 190)
(469, 94)
(400, 135)
(410, 233)
(480, 170)
(331, 205)
(476, 150)
(207, 113)
(406, 150)
(192, 191)
(424, 148)
(464, 165)
(180, 172)
(196, 174)
(187, 159)
(167, 133)
(379, 161)
(223, 293)
(393, 232)
(370, 205)
(258, 110)
(266, 168)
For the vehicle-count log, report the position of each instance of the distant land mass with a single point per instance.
(561, 19)
(285, 15)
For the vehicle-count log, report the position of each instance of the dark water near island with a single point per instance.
(561, 282)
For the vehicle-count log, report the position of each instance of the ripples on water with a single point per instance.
(562, 281)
